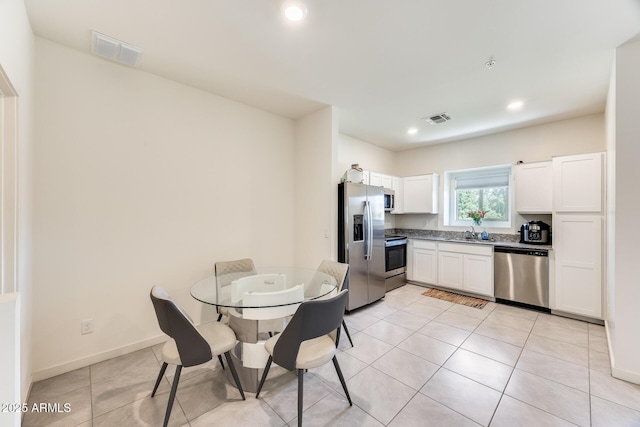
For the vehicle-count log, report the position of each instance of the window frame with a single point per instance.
(450, 217)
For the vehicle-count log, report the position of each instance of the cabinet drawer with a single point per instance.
(424, 244)
(474, 249)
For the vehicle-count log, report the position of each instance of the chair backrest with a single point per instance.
(192, 347)
(339, 270)
(272, 305)
(313, 319)
(228, 271)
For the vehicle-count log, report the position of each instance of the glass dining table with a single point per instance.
(258, 305)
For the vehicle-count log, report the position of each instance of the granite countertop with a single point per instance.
(509, 240)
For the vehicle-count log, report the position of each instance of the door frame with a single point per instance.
(8, 185)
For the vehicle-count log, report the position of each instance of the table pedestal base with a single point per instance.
(249, 355)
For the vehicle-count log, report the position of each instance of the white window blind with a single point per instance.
(481, 181)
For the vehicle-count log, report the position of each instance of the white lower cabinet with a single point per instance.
(468, 268)
(450, 270)
(478, 274)
(422, 261)
(578, 264)
(459, 266)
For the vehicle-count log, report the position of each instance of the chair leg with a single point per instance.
(344, 384)
(220, 359)
(235, 374)
(164, 368)
(300, 395)
(344, 325)
(264, 375)
(172, 395)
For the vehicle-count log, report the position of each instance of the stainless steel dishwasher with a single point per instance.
(522, 275)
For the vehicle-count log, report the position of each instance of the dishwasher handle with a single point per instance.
(521, 251)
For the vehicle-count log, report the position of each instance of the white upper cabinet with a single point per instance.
(398, 187)
(387, 181)
(534, 187)
(375, 179)
(577, 182)
(421, 194)
(381, 180)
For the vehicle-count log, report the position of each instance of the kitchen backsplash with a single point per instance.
(447, 234)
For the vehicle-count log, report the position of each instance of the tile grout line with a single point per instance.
(394, 347)
(441, 366)
(555, 382)
(512, 372)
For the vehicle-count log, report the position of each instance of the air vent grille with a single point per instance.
(437, 119)
(115, 50)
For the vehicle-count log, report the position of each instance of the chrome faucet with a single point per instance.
(470, 234)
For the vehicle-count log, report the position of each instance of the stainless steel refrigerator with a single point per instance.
(361, 241)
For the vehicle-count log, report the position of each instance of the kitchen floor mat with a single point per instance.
(478, 303)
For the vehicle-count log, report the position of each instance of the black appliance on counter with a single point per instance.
(535, 232)
(395, 257)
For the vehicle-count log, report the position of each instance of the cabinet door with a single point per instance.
(366, 177)
(398, 188)
(577, 183)
(375, 179)
(425, 266)
(387, 182)
(534, 187)
(450, 270)
(578, 264)
(478, 274)
(421, 194)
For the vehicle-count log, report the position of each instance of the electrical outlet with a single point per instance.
(86, 327)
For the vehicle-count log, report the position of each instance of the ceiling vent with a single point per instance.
(437, 119)
(115, 50)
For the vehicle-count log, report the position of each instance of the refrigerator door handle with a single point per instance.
(368, 231)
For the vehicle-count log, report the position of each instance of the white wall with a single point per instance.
(368, 156)
(624, 321)
(314, 193)
(17, 61)
(537, 143)
(142, 181)
(10, 357)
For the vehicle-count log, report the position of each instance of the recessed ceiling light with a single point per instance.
(412, 131)
(515, 105)
(294, 10)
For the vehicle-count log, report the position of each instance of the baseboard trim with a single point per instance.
(63, 368)
(25, 393)
(620, 374)
(631, 377)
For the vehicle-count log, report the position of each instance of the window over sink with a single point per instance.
(482, 189)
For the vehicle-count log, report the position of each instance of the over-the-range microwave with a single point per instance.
(389, 200)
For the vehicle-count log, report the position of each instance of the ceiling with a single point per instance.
(384, 64)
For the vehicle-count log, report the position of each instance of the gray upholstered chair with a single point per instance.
(340, 272)
(189, 345)
(308, 342)
(228, 271)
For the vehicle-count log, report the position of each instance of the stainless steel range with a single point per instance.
(395, 261)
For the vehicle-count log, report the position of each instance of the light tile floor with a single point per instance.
(417, 361)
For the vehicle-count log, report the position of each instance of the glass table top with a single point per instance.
(268, 287)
